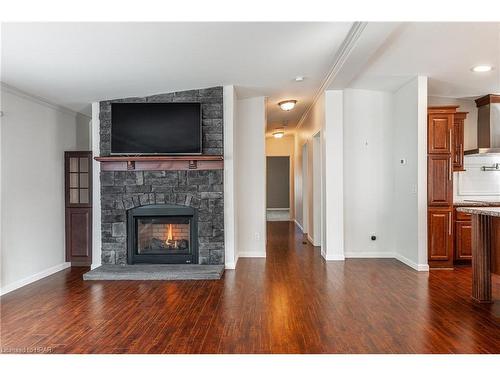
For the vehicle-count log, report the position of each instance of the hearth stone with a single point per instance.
(156, 272)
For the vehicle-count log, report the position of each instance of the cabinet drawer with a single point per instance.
(462, 216)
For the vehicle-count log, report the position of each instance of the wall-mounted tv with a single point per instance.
(156, 128)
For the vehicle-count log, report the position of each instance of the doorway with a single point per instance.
(278, 188)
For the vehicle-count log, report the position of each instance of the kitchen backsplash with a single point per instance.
(474, 183)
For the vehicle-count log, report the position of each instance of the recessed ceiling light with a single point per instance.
(299, 78)
(287, 105)
(279, 133)
(482, 68)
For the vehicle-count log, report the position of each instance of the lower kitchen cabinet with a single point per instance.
(463, 237)
(440, 246)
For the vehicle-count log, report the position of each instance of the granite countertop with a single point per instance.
(478, 203)
(488, 211)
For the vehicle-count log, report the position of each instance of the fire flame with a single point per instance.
(169, 236)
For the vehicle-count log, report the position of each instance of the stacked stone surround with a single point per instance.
(211, 112)
(203, 190)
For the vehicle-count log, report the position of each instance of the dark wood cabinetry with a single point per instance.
(458, 140)
(463, 238)
(440, 245)
(440, 166)
(78, 191)
(440, 180)
(440, 132)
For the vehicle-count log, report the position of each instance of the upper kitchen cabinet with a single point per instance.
(440, 129)
(458, 141)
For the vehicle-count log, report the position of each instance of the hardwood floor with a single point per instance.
(291, 302)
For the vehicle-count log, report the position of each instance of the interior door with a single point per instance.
(78, 189)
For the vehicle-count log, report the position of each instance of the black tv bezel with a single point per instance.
(157, 153)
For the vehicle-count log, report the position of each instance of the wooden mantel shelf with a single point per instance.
(160, 163)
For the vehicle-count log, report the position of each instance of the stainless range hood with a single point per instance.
(488, 126)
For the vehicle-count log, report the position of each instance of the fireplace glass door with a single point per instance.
(163, 235)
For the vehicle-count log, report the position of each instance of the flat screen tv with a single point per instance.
(156, 128)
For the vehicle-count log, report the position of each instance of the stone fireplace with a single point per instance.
(194, 236)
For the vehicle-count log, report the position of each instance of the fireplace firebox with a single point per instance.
(162, 234)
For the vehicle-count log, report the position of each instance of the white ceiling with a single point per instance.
(74, 64)
(445, 52)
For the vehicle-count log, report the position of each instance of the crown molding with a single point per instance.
(37, 99)
(340, 57)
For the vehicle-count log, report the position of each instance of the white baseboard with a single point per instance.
(230, 266)
(369, 254)
(251, 254)
(412, 264)
(95, 265)
(402, 259)
(333, 257)
(31, 279)
(300, 226)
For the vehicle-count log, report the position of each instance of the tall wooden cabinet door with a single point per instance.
(79, 235)
(78, 190)
(439, 180)
(463, 240)
(440, 127)
(440, 246)
(458, 141)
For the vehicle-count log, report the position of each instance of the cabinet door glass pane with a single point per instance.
(73, 180)
(84, 165)
(73, 164)
(84, 180)
(73, 195)
(84, 195)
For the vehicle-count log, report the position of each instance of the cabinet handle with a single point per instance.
(451, 142)
(450, 174)
(449, 223)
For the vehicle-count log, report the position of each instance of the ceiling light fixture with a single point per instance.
(481, 68)
(279, 133)
(287, 105)
(299, 79)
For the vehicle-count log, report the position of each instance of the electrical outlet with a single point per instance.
(257, 236)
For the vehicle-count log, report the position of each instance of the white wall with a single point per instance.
(368, 173)
(405, 147)
(230, 209)
(470, 123)
(474, 183)
(35, 135)
(250, 177)
(365, 190)
(313, 123)
(96, 188)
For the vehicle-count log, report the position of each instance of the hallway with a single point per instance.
(291, 302)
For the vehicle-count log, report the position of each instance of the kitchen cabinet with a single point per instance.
(440, 241)
(439, 180)
(458, 140)
(440, 161)
(440, 130)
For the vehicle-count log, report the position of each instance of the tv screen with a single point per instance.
(156, 128)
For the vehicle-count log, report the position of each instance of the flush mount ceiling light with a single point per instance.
(279, 133)
(299, 78)
(287, 105)
(482, 68)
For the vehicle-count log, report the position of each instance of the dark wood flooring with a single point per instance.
(291, 302)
